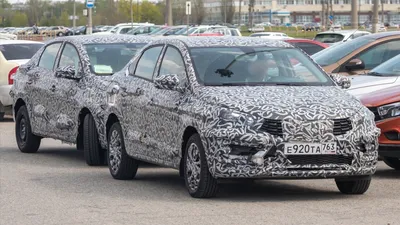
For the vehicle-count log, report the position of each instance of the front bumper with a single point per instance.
(353, 158)
(389, 140)
(5, 98)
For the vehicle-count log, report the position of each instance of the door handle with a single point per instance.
(53, 88)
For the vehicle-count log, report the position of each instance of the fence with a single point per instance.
(36, 37)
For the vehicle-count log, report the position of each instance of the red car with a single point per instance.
(309, 46)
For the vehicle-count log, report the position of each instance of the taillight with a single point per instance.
(11, 75)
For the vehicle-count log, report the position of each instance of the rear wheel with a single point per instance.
(27, 142)
(94, 154)
(1, 116)
(120, 164)
(353, 185)
(198, 179)
(392, 162)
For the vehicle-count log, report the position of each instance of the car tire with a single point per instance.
(92, 151)
(353, 186)
(392, 162)
(2, 116)
(60, 34)
(200, 183)
(27, 142)
(120, 164)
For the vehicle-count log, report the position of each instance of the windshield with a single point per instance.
(388, 68)
(329, 38)
(19, 51)
(159, 30)
(332, 55)
(256, 66)
(106, 59)
(184, 31)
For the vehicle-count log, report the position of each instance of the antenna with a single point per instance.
(350, 35)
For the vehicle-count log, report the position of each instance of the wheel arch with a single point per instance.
(81, 117)
(112, 118)
(189, 131)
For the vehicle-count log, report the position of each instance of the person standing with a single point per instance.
(35, 29)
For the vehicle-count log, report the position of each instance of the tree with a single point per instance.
(64, 19)
(199, 11)
(150, 13)
(19, 20)
(251, 10)
(240, 13)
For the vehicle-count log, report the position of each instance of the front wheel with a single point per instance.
(120, 164)
(198, 179)
(92, 151)
(392, 162)
(27, 142)
(354, 186)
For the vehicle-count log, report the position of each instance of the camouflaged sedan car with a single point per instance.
(54, 94)
(218, 108)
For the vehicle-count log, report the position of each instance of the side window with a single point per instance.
(379, 54)
(147, 63)
(69, 57)
(49, 56)
(173, 64)
(124, 30)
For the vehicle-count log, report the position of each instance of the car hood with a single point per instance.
(279, 102)
(364, 84)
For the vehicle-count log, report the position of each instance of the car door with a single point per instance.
(66, 106)
(137, 92)
(165, 107)
(41, 92)
(374, 56)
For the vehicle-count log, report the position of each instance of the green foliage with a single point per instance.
(106, 12)
(19, 20)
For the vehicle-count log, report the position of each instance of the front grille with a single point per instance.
(341, 126)
(320, 159)
(375, 111)
(273, 127)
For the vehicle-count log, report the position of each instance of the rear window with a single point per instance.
(19, 51)
(329, 38)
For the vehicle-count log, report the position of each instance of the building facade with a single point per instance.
(297, 11)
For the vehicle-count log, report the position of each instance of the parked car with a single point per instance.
(311, 27)
(208, 107)
(143, 30)
(53, 94)
(386, 107)
(309, 46)
(6, 36)
(167, 31)
(359, 55)
(332, 37)
(123, 28)
(55, 31)
(256, 29)
(13, 53)
(271, 35)
(381, 77)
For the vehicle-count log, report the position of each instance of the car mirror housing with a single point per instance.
(340, 80)
(68, 72)
(167, 82)
(355, 64)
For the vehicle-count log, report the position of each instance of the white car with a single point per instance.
(6, 36)
(271, 35)
(333, 37)
(123, 28)
(13, 53)
(383, 76)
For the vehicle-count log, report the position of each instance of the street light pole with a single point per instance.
(137, 10)
(225, 11)
(132, 14)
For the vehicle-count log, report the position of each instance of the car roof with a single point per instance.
(106, 38)
(7, 42)
(342, 32)
(213, 41)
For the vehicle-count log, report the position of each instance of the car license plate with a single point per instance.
(310, 148)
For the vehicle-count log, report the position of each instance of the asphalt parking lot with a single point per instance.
(55, 186)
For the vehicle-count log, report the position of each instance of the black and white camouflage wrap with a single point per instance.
(155, 118)
(54, 103)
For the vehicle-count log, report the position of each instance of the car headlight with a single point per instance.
(390, 110)
(230, 116)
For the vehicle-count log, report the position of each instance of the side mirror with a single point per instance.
(167, 82)
(355, 64)
(67, 72)
(340, 80)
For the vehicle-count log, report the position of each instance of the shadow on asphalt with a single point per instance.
(387, 174)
